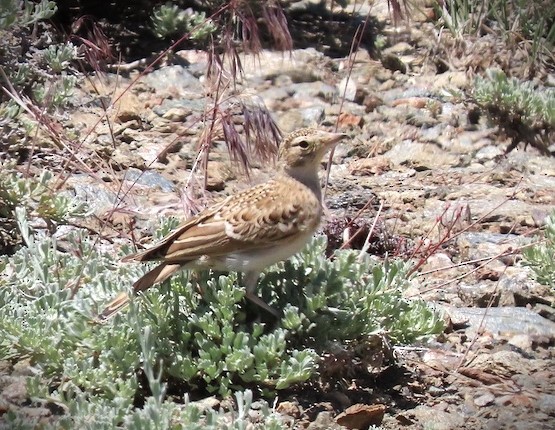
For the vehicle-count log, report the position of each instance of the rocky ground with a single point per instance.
(415, 153)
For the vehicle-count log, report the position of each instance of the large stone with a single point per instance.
(505, 322)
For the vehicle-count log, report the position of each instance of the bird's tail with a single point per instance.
(158, 274)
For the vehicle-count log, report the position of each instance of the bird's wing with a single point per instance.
(261, 216)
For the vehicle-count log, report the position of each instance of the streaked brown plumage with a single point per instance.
(248, 231)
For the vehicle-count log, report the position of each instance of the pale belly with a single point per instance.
(252, 260)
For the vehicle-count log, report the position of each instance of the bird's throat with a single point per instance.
(306, 176)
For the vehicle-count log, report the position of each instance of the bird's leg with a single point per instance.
(250, 281)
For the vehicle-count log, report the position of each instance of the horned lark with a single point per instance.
(248, 231)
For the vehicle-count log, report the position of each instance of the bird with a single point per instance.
(247, 231)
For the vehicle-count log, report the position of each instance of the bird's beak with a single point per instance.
(332, 139)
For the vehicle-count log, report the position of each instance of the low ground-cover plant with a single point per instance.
(541, 257)
(522, 111)
(175, 340)
(15, 13)
(37, 197)
(519, 24)
(169, 20)
(36, 77)
(35, 68)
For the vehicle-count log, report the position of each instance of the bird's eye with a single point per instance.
(304, 144)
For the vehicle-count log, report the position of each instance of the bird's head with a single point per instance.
(304, 148)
